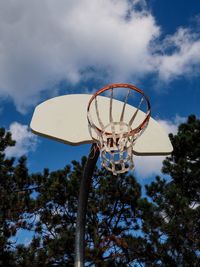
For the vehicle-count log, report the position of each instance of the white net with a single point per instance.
(117, 148)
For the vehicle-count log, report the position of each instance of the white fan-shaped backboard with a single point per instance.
(64, 118)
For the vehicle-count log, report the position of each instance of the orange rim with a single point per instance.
(123, 85)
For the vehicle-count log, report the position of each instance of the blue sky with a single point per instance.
(50, 48)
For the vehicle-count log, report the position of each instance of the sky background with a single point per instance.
(51, 47)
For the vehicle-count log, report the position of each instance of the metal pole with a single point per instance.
(82, 205)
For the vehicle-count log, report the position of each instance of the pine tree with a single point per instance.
(123, 228)
(111, 208)
(15, 200)
(170, 222)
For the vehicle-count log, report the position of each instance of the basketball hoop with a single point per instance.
(116, 137)
(115, 126)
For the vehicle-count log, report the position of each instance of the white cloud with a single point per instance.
(45, 42)
(146, 166)
(25, 140)
(172, 126)
(184, 58)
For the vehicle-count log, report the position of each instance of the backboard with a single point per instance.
(64, 118)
